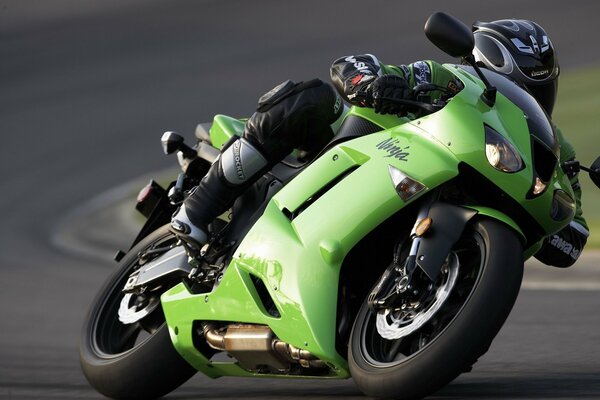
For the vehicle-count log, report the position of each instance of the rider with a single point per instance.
(300, 115)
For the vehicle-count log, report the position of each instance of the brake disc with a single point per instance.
(131, 310)
(396, 323)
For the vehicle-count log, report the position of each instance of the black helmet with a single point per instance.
(521, 50)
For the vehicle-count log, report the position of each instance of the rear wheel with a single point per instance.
(413, 348)
(125, 348)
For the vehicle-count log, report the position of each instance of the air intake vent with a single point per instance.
(265, 297)
(544, 161)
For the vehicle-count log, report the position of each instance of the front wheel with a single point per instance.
(125, 348)
(412, 349)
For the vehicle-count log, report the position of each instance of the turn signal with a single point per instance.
(405, 186)
(423, 226)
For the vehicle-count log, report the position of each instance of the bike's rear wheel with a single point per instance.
(131, 360)
(482, 285)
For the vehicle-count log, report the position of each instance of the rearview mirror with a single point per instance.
(450, 35)
(595, 172)
(573, 167)
(456, 39)
(171, 142)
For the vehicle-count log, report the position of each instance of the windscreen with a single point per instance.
(537, 120)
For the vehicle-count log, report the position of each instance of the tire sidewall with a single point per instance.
(467, 336)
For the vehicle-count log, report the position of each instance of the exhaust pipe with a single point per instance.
(256, 347)
(303, 357)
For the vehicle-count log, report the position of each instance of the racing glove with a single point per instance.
(385, 92)
(352, 75)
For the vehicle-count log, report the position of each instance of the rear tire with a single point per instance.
(420, 363)
(130, 361)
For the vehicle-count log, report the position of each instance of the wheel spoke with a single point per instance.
(127, 337)
(395, 334)
(394, 350)
(125, 320)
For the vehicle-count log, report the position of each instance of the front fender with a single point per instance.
(448, 224)
(500, 216)
(505, 219)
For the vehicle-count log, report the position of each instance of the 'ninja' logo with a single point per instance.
(391, 146)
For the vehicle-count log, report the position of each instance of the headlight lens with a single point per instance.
(500, 153)
(538, 187)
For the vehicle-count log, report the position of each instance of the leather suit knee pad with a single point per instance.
(241, 162)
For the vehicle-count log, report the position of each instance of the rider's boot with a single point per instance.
(237, 167)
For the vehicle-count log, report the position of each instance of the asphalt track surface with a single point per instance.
(86, 89)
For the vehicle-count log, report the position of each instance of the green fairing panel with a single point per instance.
(293, 257)
(507, 119)
(298, 245)
(223, 128)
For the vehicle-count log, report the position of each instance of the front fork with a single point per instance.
(437, 228)
(420, 228)
(401, 275)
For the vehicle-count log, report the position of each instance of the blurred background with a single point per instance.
(86, 90)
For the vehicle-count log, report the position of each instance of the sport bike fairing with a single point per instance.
(297, 247)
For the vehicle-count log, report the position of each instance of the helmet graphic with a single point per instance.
(521, 50)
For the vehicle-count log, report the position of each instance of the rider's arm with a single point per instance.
(352, 74)
(564, 247)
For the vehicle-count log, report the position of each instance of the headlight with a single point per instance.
(500, 153)
(538, 187)
(405, 186)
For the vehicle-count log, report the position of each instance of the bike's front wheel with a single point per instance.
(413, 348)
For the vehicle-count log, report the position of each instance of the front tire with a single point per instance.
(455, 336)
(134, 360)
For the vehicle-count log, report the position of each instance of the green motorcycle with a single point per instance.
(394, 256)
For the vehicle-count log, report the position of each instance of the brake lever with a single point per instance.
(418, 104)
(425, 87)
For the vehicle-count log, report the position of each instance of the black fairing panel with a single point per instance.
(537, 119)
